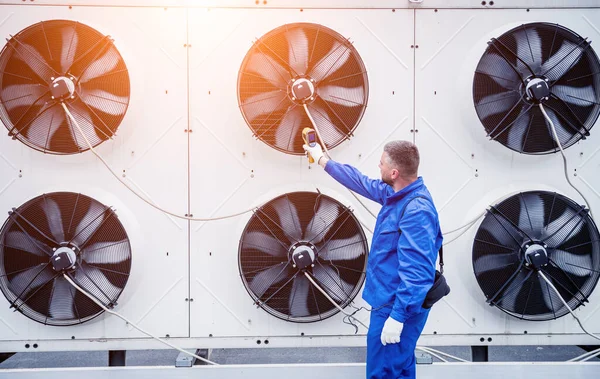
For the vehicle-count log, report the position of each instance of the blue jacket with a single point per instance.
(401, 263)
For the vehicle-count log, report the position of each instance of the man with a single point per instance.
(401, 265)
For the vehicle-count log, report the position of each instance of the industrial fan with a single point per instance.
(62, 61)
(63, 233)
(532, 232)
(296, 65)
(296, 233)
(533, 64)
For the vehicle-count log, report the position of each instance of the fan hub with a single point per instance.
(64, 258)
(303, 255)
(62, 88)
(536, 255)
(302, 89)
(537, 89)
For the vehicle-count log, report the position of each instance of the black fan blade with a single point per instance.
(298, 301)
(518, 131)
(531, 213)
(331, 62)
(70, 41)
(575, 264)
(100, 66)
(529, 48)
(332, 283)
(25, 282)
(341, 249)
(105, 252)
(62, 300)
(268, 68)
(497, 261)
(579, 96)
(22, 95)
(561, 229)
(348, 97)
(54, 217)
(33, 60)
(508, 298)
(567, 55)
(288, 129)
(89, 224)
(95, 281)
(25, 242)
(503, 232)
(288, 218)
(298, 50)
(265, 243)
(496, 68)
(268, 278)
(258, 107)
(322, 221)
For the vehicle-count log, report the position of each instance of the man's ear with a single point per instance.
(395, 173)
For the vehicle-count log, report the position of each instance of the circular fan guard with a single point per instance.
(569, 243)
(568, 73)
(335, 81)
(35, 231)
(62, 61)
(313, 223)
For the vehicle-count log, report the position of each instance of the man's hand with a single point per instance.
(391, 331)
(316, 151)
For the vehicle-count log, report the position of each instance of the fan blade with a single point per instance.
(331, 62)
(496, 103)
(322, 221)
(96, 283)
(330, 132)
(22, 282)
(518, 131)
(96, 253)
(562, 224)
(509, 296)
(496, 261)
(264, 103)
(70, 40)
(61, 303)
(22, 241)
(103, 65)
(84, 120)
(338, 249)
(531, 214)
(502, 236)
(499, 70)
(89, 224)
(568, 53)
(21, 95)
(268, 68)
(34, 60)
(288, 129)
(564, 135)
(352, 97)
(298, 301)
(267, 278)
(576, 264)
(265, 243)
(580, 96)
(529, 48)
(54, 217)
(118, 103)
(298, 50)
(551, 302)
(332, 283)
(288, 218)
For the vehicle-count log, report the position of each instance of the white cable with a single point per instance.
(588, 355)
(429, 349)
(432, 353)
(469, 223)
(564, 158)
(332, 301)
(68, 278)
(314, 124)
(461, 233)
(134, 192)
(566, 305)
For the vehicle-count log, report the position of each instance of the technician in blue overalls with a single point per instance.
(401, 265)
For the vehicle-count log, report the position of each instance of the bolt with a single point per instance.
(52, 78)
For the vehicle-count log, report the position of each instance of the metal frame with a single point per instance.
(499, 370)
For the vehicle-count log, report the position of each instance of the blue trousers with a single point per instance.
(393, 360)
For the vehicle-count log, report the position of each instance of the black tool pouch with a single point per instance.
(440, 287)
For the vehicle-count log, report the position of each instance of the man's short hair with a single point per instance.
(404, 156)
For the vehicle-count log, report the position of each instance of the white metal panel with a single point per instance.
(250, 172)
(466, 172)
(150, 152)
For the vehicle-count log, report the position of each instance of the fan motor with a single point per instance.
(63, 258)
(537, 89)
(62, 88)
(536, 256)
(302, 90)
(303, 256)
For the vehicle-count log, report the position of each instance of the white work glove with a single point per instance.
(391, 331)
(316, 151)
